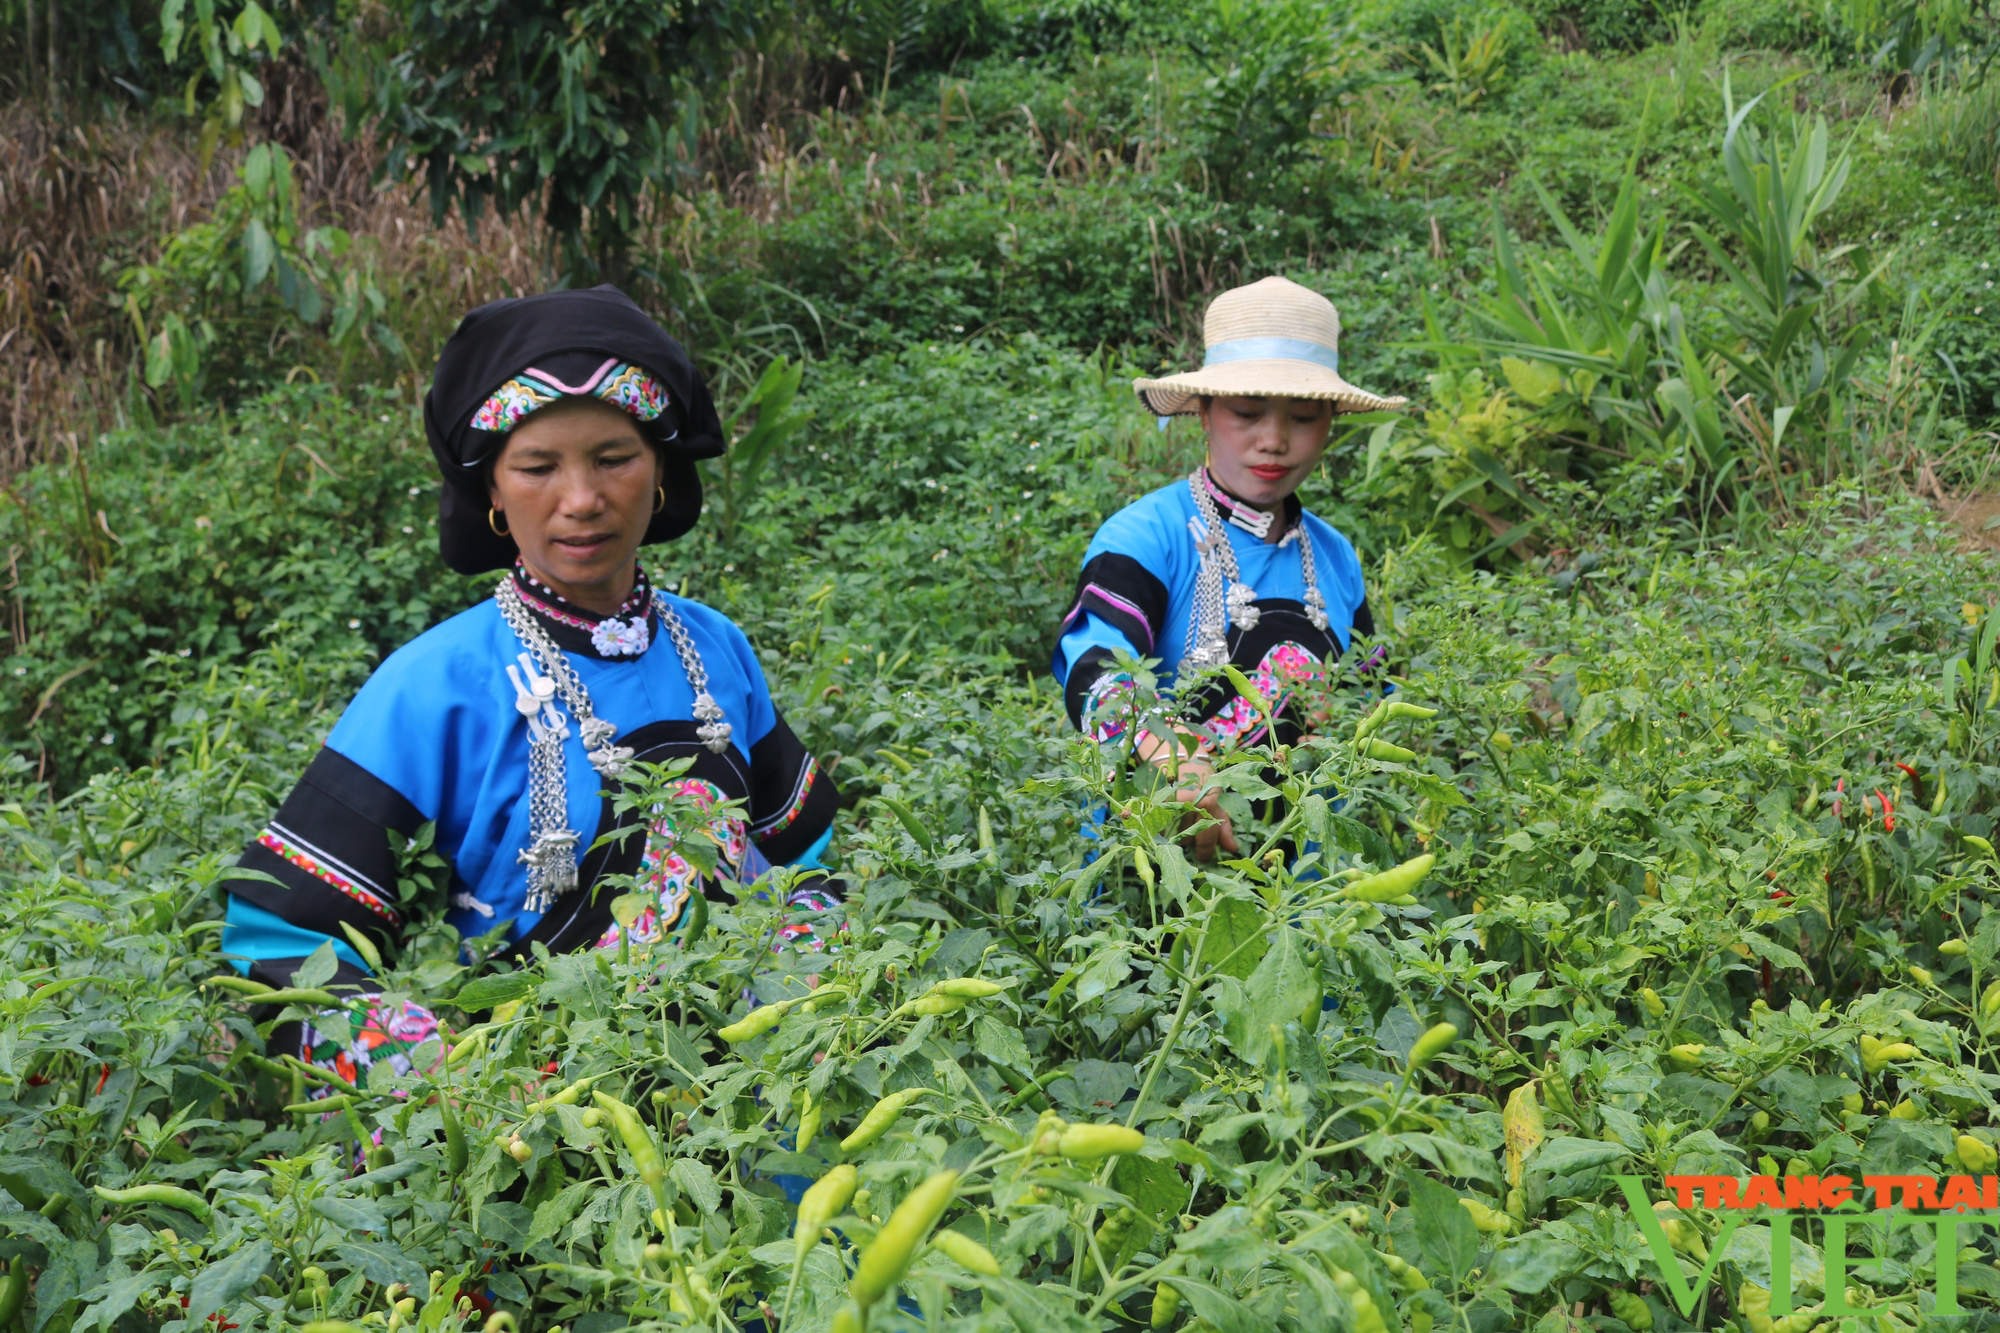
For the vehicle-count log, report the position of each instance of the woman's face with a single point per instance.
(1261, 449)
(576, 485)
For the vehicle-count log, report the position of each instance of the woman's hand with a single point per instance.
(1189, 770)
(1207, 799)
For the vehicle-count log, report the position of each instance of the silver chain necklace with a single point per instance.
(551, 851)
(1221, 597)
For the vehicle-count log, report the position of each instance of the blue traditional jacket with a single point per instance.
(1136, 595)
(434, 737)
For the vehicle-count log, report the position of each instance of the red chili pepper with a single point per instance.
(1888, 813)
(1767, 978)
(1911, 771)
(103, 1078)
(1838, 787)
(215, 1319)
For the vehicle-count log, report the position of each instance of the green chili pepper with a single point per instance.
(1367, 1318)
(1397, 708)
(454, 1139)
(638, 1140)
(1407, 1274)
(241, 985)
(1166, 1304)
(1085, 1143)
(324, 1106)
(886, 1259)
(569, 1096)
(1389, 884)
(13, 1289)
(697, 920)
(880, 1116)
(967, 1253)
(467, 1049)
(822, 1203)
(1367, 725)
(1429, 1046)
(299, 995)
(171, 1196)
(1249, 691)
(755, 1023)
(1383, 750)
(1632, 1309)
(968, 988)
(908, 819)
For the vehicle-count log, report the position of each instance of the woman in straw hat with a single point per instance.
(1225, 566)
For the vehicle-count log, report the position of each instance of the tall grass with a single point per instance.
(1958, 125)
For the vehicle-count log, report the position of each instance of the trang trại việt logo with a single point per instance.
(1832, 1201)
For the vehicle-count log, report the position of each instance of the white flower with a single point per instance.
(354, 624)
(620, 638)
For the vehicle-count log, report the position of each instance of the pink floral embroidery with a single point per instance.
(352, 1043)
(1282, 669)
(670, 879)
(626, 387)
(1107, 708)
(306, 861)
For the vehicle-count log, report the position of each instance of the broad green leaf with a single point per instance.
(1443, 1228)
(220, 1283)
(1233, 939)
(490, 991)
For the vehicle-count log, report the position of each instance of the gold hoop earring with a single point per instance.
(492, 521)
(661, 503)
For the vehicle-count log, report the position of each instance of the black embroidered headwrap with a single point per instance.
(567, 339)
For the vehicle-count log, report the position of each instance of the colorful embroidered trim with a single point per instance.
(779, 822)
(623, 386)
(627, 634)
(321, 867)
(351, 1044)
(1112, 600)
(1285, 666)
(1108, 707)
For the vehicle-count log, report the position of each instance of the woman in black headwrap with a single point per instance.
(566, 426)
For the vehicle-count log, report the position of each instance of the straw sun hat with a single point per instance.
(1271, 339)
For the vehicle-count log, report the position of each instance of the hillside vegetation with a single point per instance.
(1697, 316)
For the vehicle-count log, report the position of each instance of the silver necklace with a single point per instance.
(1221, 597)
(551, 851)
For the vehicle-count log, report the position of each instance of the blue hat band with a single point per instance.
(1272, 349)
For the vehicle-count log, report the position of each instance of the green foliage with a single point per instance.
(237, 288)
(1274, 70)
(195, 543)
(572, 110)
(1470, 65)
(1659, 773)
(1913, 37)
(225, 50)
